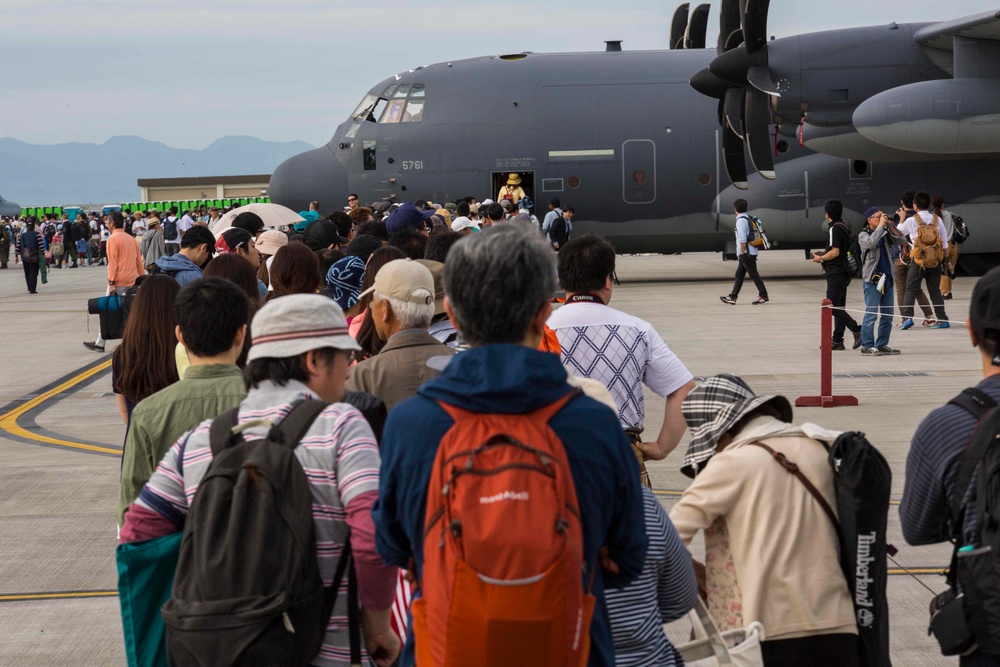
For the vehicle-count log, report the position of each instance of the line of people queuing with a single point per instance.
(420, 341)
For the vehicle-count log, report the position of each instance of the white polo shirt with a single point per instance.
(621, 352)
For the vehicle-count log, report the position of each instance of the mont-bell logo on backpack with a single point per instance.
(506, 495)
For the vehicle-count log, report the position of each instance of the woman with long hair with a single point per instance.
(144, 362)
(295, 270)
(364, 332)
(237, 269)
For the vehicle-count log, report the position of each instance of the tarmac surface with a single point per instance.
(61, 434)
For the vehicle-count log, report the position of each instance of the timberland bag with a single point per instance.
(862, 482)
(927, 251)
(247, 589)
(711, 648)
(502, 582)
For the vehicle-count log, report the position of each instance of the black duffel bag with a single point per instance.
(112, 315)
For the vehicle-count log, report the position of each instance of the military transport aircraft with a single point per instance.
(651, 147)
(9, 209)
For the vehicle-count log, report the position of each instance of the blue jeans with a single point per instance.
(876, 304)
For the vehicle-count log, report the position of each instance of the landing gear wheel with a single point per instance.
(979, 263)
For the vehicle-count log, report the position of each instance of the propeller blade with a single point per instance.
(755, 24)
(734, 111)
(678, 25)
(697, 28)
(757, 121)
(730, 32)
(734, 158)
(709, 85)
(759, 77)
(732, 66)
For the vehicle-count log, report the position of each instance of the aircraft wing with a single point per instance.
(977, 26)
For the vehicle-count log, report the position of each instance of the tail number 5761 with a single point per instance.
(412, 164)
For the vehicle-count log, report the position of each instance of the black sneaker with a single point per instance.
(885, 349)
(946, 297)
(838, 345)
(93, 346)
(759, 300)
(857, 340)
(728, 299)
(871, 352)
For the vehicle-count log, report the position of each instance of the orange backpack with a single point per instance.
(927, 251)
(502, 582)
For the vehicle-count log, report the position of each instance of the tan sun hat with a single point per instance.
(270, 241)
(292, 325)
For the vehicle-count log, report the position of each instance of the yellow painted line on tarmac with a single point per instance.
(8, 421)
(918, 570)
(58, 596)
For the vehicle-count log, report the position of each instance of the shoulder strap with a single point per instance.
(975, 401)
(794, 470)
(296, 423)
(346, 566)
(221, 434)
(979, 443)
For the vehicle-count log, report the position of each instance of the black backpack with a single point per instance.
(962, 233)
(169, 227)
(975, 568)
(247, 590)
(862, 481)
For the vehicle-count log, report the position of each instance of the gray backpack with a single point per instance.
(247, 589)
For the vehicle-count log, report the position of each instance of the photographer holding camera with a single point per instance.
(877, 237)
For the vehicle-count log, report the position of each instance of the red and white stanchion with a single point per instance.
(826, 399)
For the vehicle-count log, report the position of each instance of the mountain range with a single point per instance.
(82, 173)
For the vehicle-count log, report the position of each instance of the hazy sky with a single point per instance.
(187, 72)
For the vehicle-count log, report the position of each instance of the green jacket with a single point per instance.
(160, 420)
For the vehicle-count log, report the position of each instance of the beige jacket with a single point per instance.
(784, 547)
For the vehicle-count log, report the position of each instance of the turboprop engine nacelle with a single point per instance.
(954, 117)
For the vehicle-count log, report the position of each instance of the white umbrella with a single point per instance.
(273, 215)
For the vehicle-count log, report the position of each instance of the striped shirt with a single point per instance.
(664, 592)
(338, 454)
(931, 468)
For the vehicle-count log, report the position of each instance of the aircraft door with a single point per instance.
(639, 171)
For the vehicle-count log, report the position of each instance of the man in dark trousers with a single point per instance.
(30, 248)
(838, 275)
(747, 255)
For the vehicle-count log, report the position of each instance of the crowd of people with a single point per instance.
(457, 458)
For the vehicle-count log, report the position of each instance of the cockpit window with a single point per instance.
(397, 104)
(414, 111)
(393, 112)
(366, 104)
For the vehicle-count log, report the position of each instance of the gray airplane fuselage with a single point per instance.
(622, 137)
(9, 209)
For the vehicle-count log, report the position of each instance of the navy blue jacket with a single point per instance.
(513, 379)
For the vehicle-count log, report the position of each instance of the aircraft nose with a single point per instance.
(313, 175)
